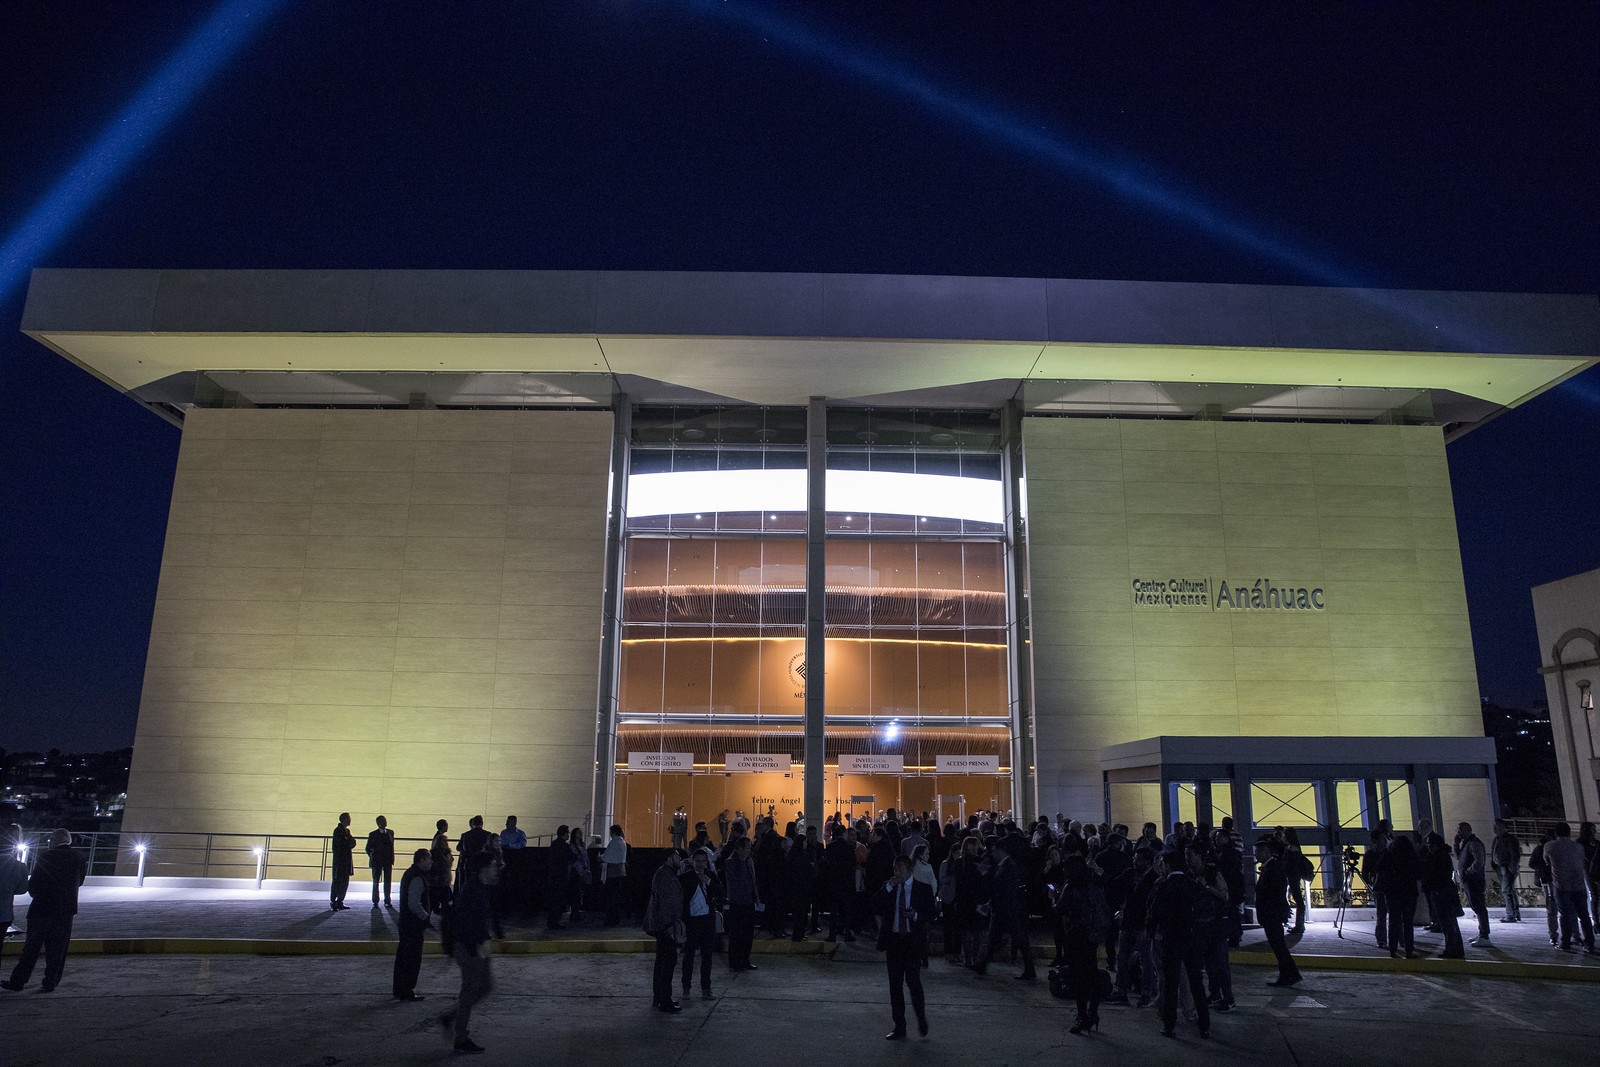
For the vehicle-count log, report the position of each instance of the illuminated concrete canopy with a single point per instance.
(780, 338)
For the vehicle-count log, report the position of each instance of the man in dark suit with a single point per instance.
(380, 860)
(474, 840)
(906, 907)
(344, 863)
(57, 874)
(1272, 906)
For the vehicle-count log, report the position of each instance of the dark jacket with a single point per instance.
(472, 917)
(474, 840)
(414, 878)
(922, 905)
(798, 874)
(380, 848)
(1172, 906)
(1006, 893)
(880, 863)
(666, 902)
(713, 886)
(839, 865)
(1085, 915)
(1272, 892)
(57, 874)
(1398, 873)
(740, 881)
(344, 850)
(1134, 887)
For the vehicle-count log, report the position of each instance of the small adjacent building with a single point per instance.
(1568, 616)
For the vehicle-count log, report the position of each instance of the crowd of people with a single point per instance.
(1163, 911)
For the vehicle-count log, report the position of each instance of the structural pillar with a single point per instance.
(1024, 781)
(816, 600)
(605, 748)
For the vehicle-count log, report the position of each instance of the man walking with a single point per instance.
(470, 933)
(415, 913)
(1472, 870)
(57, 874)
(1506, 853)
(1272, 906)
(663, 920)
(344, 862)
(905, 905)
(380, 860)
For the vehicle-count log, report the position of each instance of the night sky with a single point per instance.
(1448, 146)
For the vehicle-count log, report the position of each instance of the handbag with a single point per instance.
(717, 920)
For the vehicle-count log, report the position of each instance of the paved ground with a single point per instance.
(318, 1012)
(117, 912)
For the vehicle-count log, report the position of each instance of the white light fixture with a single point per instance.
(1585, 697)
(261, 857)
(140, 850)
(773, 491)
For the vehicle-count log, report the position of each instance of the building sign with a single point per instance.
(967, 764)
(661, 761)
(1216, 594)
(849, 764)
(757, 761)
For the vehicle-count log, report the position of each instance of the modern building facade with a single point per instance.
(588, 547)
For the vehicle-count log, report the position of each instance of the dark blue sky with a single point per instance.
(1408, 145)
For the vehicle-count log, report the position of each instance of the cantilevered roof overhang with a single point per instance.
(781, 338)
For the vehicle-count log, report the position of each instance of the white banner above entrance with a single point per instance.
(850, 764)
(661, 761)
(758, 761)
(967, 764)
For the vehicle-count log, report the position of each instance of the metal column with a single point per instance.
(1024, 783)
(605, 744)
(1204, 813)
(816, 597)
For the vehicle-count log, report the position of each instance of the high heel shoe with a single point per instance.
(1081, 1026)
(1094, 1020)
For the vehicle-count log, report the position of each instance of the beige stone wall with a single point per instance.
(1363, 512)
(392, 612)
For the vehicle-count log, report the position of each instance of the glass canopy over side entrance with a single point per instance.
(712, 653)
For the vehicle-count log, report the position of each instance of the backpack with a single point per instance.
(1304, 869)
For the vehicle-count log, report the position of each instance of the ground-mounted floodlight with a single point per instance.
(261, 860)
(140, 849)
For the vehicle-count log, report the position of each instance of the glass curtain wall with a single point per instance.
(916, 612)
(713, 617)
(712, 659)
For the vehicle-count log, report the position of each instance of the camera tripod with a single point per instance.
(1352, 866)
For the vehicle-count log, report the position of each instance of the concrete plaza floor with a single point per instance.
(241, 1011)
(122, 919)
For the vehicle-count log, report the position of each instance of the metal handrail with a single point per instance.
(201, 852)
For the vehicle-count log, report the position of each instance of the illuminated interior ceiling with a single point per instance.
(446, 338)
